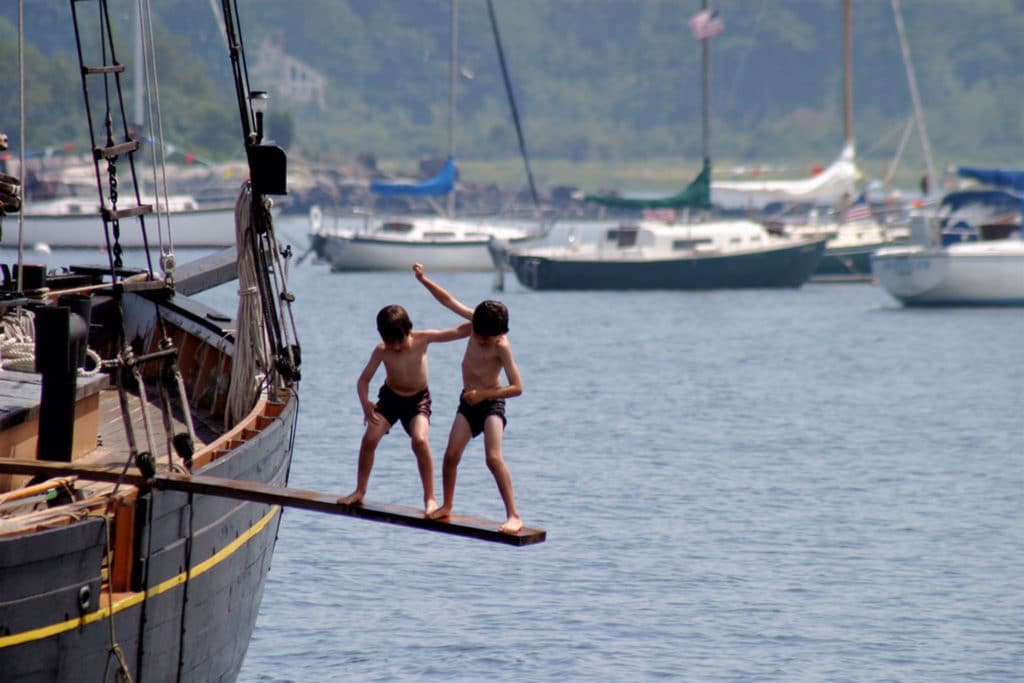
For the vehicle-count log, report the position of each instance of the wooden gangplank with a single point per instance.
(285, 496)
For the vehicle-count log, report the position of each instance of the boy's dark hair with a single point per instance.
(490, 319)
(393, 324)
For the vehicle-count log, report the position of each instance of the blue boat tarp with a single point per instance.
(442, 183)
(996, 177)
(998, 200)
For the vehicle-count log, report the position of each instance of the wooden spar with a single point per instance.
(402, 515)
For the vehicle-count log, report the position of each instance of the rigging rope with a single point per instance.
(512, 103)
(159, 163)
(250, 363)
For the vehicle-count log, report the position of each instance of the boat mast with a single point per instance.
(706, 91)
(452, 61)
(922, 132)
(847, 72)
(137, 76)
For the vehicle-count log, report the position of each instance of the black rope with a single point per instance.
(512, 102)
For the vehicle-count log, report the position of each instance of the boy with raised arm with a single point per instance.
(404, 396)
(482, 403)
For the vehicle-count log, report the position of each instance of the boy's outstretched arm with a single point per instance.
(451, 334)
(442, 295)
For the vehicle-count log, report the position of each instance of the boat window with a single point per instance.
(438, 235)
(689, 244)
(396, 226)
(623, 236)
(735, 240)
(997, 231)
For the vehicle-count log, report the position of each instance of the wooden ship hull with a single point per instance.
(113, 380)
(165, 584)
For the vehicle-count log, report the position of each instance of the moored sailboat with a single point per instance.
(692, 254)
(957, 264)
(853, 232)
(443, 242)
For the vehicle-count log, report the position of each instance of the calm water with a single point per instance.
(810, 485)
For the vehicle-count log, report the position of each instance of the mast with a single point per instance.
(706, 91)
(922, 132)
(137, 76)
(847, 72)
(453, 60)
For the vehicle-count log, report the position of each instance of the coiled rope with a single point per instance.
(18, 345)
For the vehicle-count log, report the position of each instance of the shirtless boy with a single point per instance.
(404, 396)
(482, 404)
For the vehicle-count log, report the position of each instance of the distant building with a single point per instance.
(286, 77)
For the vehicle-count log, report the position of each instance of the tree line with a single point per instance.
(595, 80)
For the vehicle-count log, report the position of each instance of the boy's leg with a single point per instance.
(367, 448)
(419, 429)
(494, 431)
(457, 440)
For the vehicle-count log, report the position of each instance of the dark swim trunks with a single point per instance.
(477, 415)
(394, 407)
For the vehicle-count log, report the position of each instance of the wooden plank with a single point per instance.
(206, 272)
(402, 515)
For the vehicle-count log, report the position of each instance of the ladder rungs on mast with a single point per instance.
(106, 69)
(116, 150)
(132, 211)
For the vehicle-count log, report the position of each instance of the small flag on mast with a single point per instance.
(706, 24)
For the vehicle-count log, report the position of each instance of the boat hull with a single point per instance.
(965, 274)
(359, 253)
(194, 604)
(214, 227)
(789, 266)
(847, 263)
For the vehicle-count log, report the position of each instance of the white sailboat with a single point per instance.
(980, 266)
(440, 243)
(852, 235)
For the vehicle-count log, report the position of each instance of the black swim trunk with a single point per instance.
(478, 414)
(394, 407)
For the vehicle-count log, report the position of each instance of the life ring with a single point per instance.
(316, 218)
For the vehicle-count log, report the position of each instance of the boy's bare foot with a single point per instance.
(354, 498)
(512, 525)
(430, 507)
(443, 512)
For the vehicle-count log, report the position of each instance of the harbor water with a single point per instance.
(788, 485)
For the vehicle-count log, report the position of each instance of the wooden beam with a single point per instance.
(402, 515)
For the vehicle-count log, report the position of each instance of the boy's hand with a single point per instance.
(417, 268)
(471, 397)
(370, 414)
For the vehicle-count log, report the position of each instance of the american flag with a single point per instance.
(706, 24)
(860, 210)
